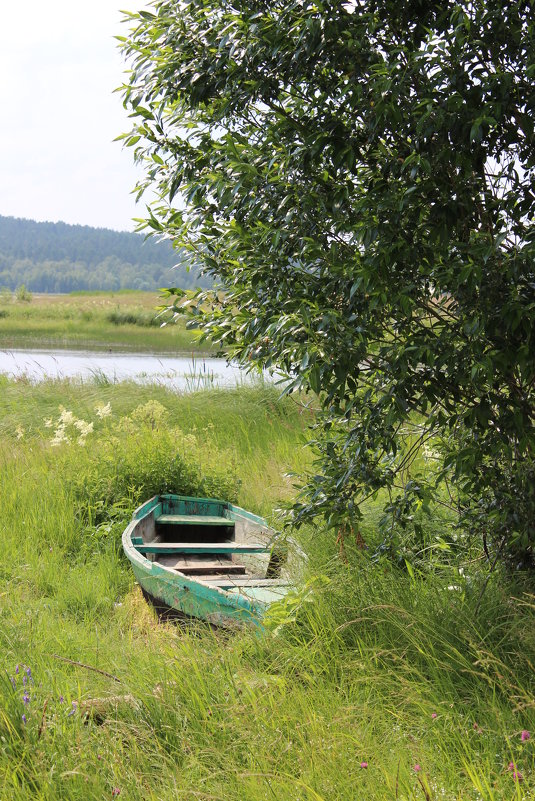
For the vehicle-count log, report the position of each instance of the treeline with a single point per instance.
(56, 257)
(70, 276)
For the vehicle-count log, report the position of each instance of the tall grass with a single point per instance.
(369, 683)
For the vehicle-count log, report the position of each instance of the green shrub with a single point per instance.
(130, 317)
(23, 294)
(141, 456)
(140, 317)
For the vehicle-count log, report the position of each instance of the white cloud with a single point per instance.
(59, 65)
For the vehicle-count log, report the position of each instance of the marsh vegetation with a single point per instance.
(126, 320)
(368, 683)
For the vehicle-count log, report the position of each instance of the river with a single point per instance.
(177, 372)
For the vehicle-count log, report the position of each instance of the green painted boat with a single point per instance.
(206, 558)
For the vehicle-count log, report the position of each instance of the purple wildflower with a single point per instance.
(61, 699)
(525, 735)
(24, 719)
(13, 682)
(73, 710)
(433, 715)
(17, 669)
(363, 764)
(28, 671)
(26, 698)
(517, 776)
(24, 679)
(115, 792)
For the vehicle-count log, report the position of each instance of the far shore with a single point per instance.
(124, 321)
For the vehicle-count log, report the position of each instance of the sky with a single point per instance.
(59, 65)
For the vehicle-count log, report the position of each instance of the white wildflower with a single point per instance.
(103, 411)
(83, 427)
(66, 417)
(19, 431)
(48, 423)
(59, 437)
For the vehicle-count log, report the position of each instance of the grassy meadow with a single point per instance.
(368, 683)
(125, 320)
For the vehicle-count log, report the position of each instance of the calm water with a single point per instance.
(178, 372)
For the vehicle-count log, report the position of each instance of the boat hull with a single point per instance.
(237, 599)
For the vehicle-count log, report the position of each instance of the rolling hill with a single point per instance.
(57, 257)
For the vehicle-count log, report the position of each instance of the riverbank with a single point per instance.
(370, 683)
(110, 321)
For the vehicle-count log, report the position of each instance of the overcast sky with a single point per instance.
(59, 65)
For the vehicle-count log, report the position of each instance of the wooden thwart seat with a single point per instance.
(201, 547)
(227, 583)
(197, 565)
(194, 520)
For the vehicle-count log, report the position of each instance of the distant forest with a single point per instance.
(56, 257)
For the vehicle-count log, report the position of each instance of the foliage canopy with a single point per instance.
(359, 177)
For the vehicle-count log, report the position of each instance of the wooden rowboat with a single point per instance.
(205, 558)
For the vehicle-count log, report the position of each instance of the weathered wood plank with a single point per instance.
(197, 565)
(223, 582)
(233, 569)
(194, 520)
(201, 547)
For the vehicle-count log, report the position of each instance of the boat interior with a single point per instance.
(212, 542)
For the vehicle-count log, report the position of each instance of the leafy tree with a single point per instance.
(360, 178)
